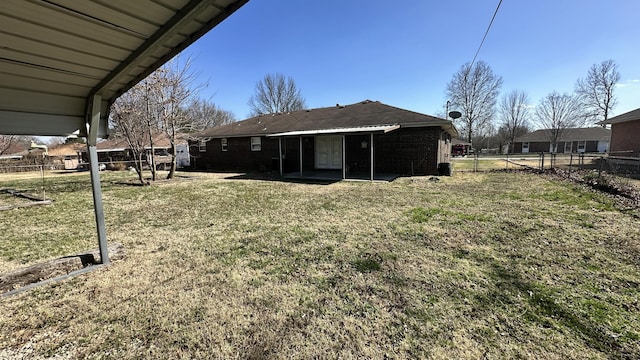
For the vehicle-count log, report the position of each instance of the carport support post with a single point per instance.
(92, 137)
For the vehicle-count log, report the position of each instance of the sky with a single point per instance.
(403, 53)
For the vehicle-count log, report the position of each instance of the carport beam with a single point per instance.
(92, 137)
(300, 156)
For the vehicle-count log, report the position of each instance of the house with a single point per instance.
(117, 150)
(23, 156)
(364, 140)
(460, 147)
(71, 156)
(625, 134)
(574, 140)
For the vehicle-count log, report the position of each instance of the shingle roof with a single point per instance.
(114, 144)
(67, 149)
(363, 114)
(575, 134)
(456, 141)
(628, 116)
(56, 55)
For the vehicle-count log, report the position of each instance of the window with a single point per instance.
(525, 147)
(582, 145)
(256, 144)
(568, 146)
(202, 146)
(223, 142)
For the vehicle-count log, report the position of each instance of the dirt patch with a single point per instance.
(56, 267)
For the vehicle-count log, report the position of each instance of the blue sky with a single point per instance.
(403, 53)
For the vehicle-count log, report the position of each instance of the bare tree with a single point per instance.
(179, 110)
(514, 115)
(167, 103)
(150, 115)
(204, 114)
(504, 136)
(6, 141)
(276, 94)
(558, 114)
(596, 90)
(474, 92)
(174, 89)
(127, 122)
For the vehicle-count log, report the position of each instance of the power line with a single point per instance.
(485, 34)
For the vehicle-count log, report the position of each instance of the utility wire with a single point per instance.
(485, 35)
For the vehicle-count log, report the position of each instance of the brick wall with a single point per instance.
(404, 151)
(407, 149)
(358, 159)
(238, 156)
(625, 139)
(537, 147)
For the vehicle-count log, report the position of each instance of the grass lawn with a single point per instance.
(495, 265)
(470, 164)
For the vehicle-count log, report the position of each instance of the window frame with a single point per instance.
(202, 146)
(224, 144)
(582, 146)
(257, 144)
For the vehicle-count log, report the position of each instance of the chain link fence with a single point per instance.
(613, 164)
(8, 168)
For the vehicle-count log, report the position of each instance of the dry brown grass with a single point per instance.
(497, 265)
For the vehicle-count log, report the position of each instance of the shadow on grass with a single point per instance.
(275, 177)
(546, 308)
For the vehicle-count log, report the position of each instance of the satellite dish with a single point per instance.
(455, 114)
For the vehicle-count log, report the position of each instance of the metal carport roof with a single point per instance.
(56, 54)
(64, 62)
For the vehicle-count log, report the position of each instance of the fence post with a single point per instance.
(541, 160)
(42, 177)
(570, 163)
(475, 162)
(600, 168)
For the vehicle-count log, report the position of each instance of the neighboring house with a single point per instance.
(575, 140)
(625, 134)
(116, 150)
(63, 156)
(347, 139)
(460, 147)
(15, 151)
(71, 155)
